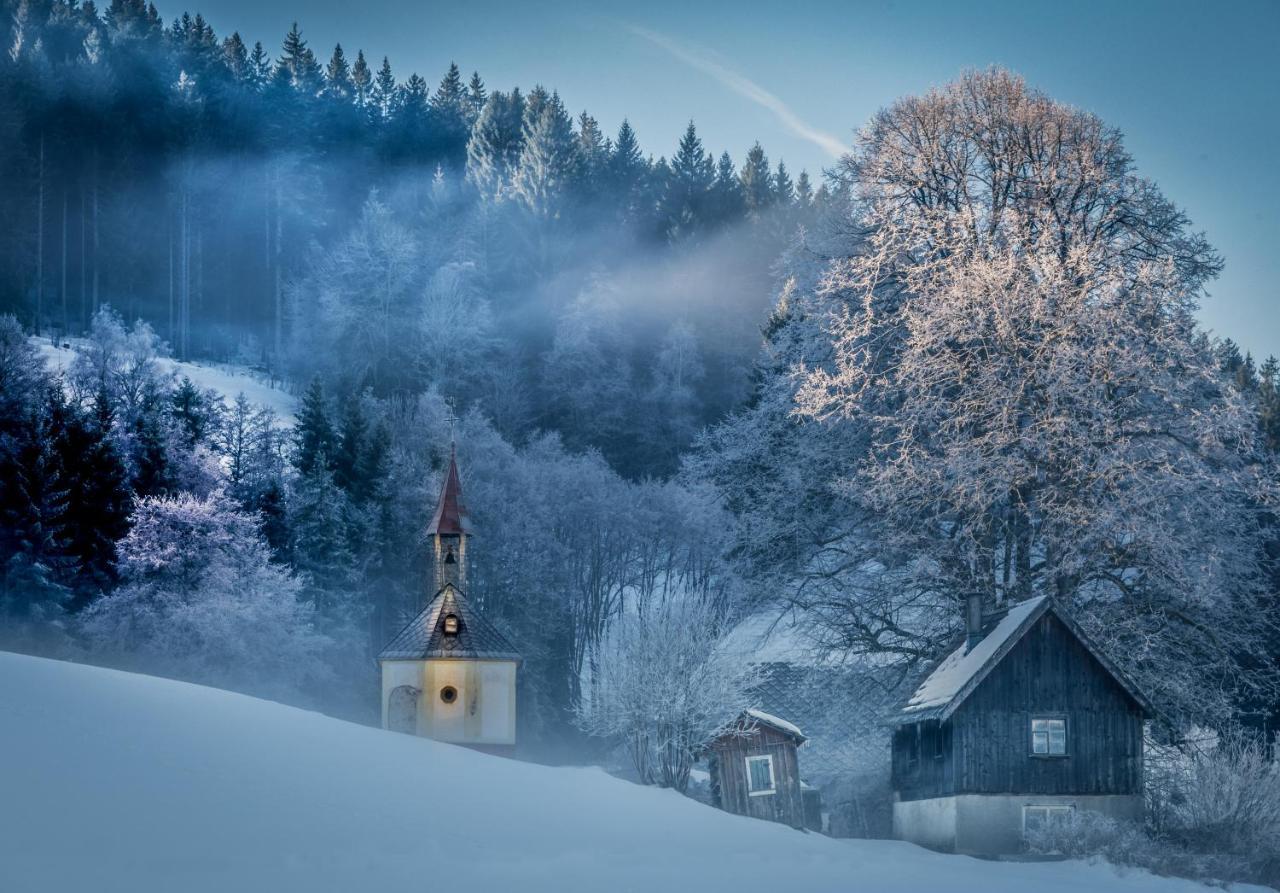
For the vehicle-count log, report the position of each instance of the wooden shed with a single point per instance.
(755, 770)
(1025, 722)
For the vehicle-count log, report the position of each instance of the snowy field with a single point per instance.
(225, 379)
(120, 782)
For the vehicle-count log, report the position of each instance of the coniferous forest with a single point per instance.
(687, 387)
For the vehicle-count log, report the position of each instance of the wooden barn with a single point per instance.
(1023, 723)
(755, 770)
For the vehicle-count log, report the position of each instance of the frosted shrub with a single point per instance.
(1218, 810)
(1228, 801)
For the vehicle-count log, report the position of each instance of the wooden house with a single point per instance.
(1023, 723)
(755, 770)
(450, 673)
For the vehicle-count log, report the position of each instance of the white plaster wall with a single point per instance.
(396, 673)
(484, 711)
(929, 823)
(991, 824)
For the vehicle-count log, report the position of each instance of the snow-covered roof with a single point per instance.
(423, 638)
(781, 725)
(955, 678)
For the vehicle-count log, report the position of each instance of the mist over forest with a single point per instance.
(388, 233)
(688, 389)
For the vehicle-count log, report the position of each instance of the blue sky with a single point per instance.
(1194, 86)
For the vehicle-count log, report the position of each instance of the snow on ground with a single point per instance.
(112, 781)
(226, 379)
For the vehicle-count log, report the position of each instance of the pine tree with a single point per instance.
(627, 171)
(1269, 403)
(98, 497)
(476, 98)
(298, 64)
(594, 155)
(314, 435)
(494, 148)
(549, 161)
(350, 449)
(804, 191)
(449, 111)
(259, 71)
(337, 76)
(33, 505)
(235, 56)
(688, 187)
(727, 190)
(361, 80)
(757, 182)
(194, 411)
(383, 94)
(783, 188)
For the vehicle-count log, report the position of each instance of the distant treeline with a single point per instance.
(199, 182)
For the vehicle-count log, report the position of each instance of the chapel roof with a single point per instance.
(424, 638)
(450, 517)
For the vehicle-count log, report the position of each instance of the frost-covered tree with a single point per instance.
(664, 686)
(203, 601)
(1014, 335)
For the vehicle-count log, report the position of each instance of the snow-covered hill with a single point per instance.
(111, 781)
(227, 380)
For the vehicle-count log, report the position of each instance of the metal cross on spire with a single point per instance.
(451, 418)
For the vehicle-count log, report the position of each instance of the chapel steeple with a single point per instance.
(449, 531)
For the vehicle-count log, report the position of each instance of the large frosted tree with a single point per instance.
(1015, 336)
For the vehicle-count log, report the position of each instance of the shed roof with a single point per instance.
(961, 672)
(450, 517)
(423, 638)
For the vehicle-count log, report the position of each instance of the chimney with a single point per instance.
(973, 621)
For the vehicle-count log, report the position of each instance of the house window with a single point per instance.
(450, 624)
(760, 776)
(1048, 736)
(1040, 818)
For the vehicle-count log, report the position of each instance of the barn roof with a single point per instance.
(778, 725)
(423, 638)
(961, 672)
(450, 517)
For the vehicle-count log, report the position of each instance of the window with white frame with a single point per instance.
(760, 775)
(1038, 818)
(1048, 736)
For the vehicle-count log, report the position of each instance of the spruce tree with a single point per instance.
(298, 64)
(383, 94)
(349, 452)
(783, 188)
(98, 496)
(756, 182)
(235, 55)
(449, 112)
(337, 76)
(361, 81)
(476, 98)
(727, 191)
(314, 435)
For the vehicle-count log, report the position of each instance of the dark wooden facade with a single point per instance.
(984, 746)
(727, 756)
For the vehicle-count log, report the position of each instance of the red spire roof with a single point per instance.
(450, 518)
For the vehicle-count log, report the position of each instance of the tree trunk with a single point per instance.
(63, 288)
(95, 232)
(40, 243)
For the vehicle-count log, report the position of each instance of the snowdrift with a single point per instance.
(112, 781)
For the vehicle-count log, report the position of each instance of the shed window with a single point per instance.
(760, 775)
(1048, 736)
(1039, 818)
